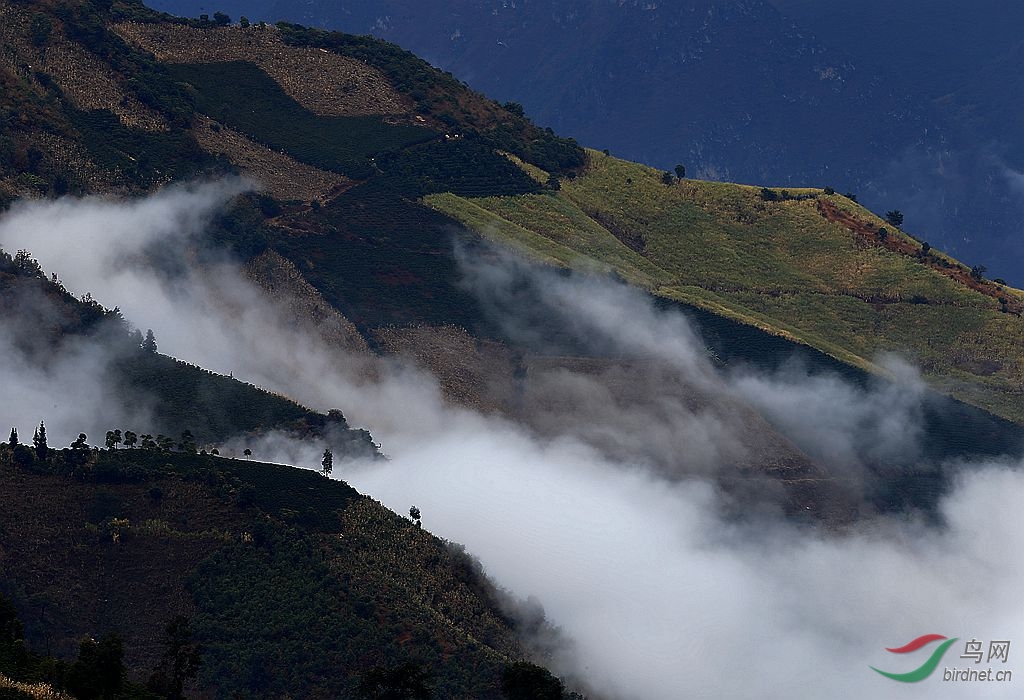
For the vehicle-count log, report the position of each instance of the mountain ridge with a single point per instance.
(364, 234)
(898, 102)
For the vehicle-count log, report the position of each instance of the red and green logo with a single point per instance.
(925, 669)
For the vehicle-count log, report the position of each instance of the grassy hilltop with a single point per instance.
(812, 267)
(352, 135)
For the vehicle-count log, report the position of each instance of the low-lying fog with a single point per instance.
(660, 594)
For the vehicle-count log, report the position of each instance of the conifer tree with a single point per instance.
(149, 344)
(39, 440)
(328, 462)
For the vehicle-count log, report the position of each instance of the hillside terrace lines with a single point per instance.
(86, 81)
(90, 84)
(867, 233)
(279, 174)
(325, 83)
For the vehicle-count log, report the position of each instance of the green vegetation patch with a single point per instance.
(446, 100)
(769, 258)
(301, 496)
(385, 260)
(141, 158)
(181, 397)
(467, 166)
(275, 614)
(540, 220)
(269, 618)
(240, 95)
(493, 227)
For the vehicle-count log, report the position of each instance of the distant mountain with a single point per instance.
(909, 103)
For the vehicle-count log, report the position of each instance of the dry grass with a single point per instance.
(324, 83)
(279, 174)
(470, 372)
(810, 268)
(38, 691)
(90, 84)
(85, 80)
(279, 278)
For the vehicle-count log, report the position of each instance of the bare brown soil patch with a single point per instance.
(90, 84)
(307, 307)
(471, 372)
(323, 82)
(86, 81)
(279, 174)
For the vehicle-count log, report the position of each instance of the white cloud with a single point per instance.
(663, 597)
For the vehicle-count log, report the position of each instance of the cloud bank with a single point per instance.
(662, 595)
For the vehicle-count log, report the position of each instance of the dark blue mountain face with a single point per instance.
(911, 104)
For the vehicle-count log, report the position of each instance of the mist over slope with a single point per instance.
(697, 522)
(369, 159)
(666, 588)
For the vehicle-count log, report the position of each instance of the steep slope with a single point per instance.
(293, 584)
(805, 265)
(48, 334)
(787, 91)
(361, 236)
(378, 177)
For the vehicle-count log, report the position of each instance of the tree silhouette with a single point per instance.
(13, 441)
(188, 442)
(149, 344)
(327, 462)
(130, 439)
(113, 439)
(894, 217)
(667, 177)
(681, 172)
(99, 670)
(39, 441)
(414, 513)
(80, 443)
(247, 452)
(180, 662)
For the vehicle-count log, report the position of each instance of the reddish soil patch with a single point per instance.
(867, 232)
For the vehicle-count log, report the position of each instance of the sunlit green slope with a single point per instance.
(811, 266)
